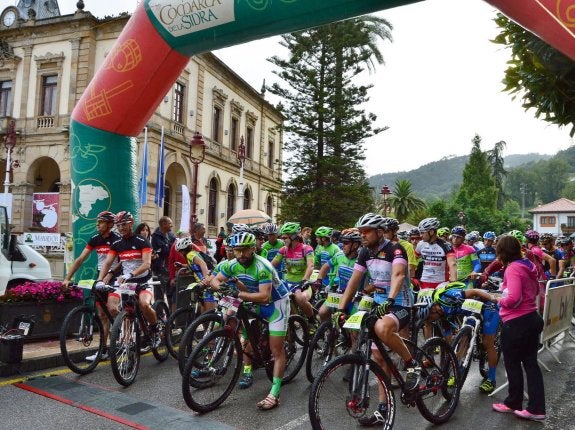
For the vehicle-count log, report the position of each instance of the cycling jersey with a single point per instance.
(411, 258)
(343, 268)
(295, 261)
(129, 251)
(486, 256)
(434, 255)
(466, 260)
(269, 251)
(102, 245)
(322, 255)
(379, 266)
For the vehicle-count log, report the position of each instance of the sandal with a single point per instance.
(269, 402)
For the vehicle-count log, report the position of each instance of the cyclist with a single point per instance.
(438, 257)
(549, 263)
(260, 235)
(198, 267)
(257, 282)
(547, 241)
(447, 301)
(444, 233)
(272, 246)
(298, 259)
(100, 242)
(325, 251)
(391, 227)
(386, 264)
(466, 259)
(135, 255)
(487, 254)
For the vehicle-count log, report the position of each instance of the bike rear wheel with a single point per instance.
(161, 352)
(436, 399)
(461, 344)
(212, 371)
(175, 327)
(125, 348)
(346, 390)
(81, 335)
(196, 331)
(295, 345)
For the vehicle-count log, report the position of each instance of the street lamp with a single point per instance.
(241, 159)
(197, 154)
(461, 216)
(9, 143)
(385, 191)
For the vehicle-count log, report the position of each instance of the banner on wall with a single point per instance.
(185, 220)
(45, 208)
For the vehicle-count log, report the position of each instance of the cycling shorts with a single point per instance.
(490, 319)
(209, 296)
(277, 313)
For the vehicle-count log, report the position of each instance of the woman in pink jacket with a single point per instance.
(520, 332)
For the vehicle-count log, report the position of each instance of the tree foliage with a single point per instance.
(403, 201)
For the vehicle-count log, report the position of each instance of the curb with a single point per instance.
(31, 365)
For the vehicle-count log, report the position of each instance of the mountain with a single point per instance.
(439, 178)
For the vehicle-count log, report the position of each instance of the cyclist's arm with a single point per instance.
(104, 275)
(75, 266)
(452, 265)
(561, 269)
(350, 290)
(552, 264)
(277, 259)
(397, 278)
(262, 296)
(482, 294)
(199, 261)
(310, 267)
(323, 271)
(142, 268)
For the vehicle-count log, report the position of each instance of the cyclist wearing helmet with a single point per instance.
(386, 264)
(257, 282)
(390, 228)
(443, 233)
(565, 244)
(198, 267)
(487, 254)
(135, 255)
(258, 232)
(466, 259)
(438, 257)
(325, 251)
(271, 247)
(298, 260)
(549, 263)
(448, 298)
(547, 241)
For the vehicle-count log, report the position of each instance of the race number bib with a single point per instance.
(230, 303)
(365, 303)
(354, 321)
(472, 305)
(333, 300)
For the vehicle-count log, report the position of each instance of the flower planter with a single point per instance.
(48, 316)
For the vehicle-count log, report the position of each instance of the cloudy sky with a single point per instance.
(441, 84)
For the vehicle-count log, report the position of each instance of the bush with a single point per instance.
(46, 291)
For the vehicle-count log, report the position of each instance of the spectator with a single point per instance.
(520, 332)
(173, 268)
(198, 237)
(306, 235)
(162, 240)
(143, 230)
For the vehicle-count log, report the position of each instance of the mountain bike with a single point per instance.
(342, 391)
(214, 366)
(131, 331)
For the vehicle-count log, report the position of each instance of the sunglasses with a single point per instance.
(346, 242)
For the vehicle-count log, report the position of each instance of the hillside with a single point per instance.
(439, 178)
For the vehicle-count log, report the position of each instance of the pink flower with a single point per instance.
(40, 291)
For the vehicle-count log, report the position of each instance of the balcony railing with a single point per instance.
(45, 122)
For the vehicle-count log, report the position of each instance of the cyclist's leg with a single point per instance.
(490, 325)
(324, 313)
(302, 299)
(145, 299)
(387, 327)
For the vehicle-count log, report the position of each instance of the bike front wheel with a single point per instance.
(212, 371)
(462, 345)
(161, 352)
(195, 332)
(295, 346)
(175, 327)
(81, 335)
(345, 391)
(326, 344)
(125, 348)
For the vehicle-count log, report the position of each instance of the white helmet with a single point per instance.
(269, 228)
(241, 228)
(369, 220)
(428, 224)
(183, 243)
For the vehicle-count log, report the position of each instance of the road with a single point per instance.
(155, 401)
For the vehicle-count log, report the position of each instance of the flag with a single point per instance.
(159, 198)
(143, 185)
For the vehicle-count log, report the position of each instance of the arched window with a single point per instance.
(212, 203)
(231, 200)
(269, 206)
(247, 198)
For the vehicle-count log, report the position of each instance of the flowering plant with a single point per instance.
(41, 292)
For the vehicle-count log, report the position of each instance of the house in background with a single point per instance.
(557, 217)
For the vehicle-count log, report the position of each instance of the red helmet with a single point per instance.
(106, 216)
(124, 216)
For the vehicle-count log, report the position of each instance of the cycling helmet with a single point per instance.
(428, 224)
(270, 228)
(106, 216)
(290, 228)
(518, 235)
(546, 237)
(423, 311)
(415, 232)
(369, 220)
(532, 235)
(241, 228)
(403, 235)
(471, 237)
(243, 239)
(183, 243)
(438, 294)
(351, 234)
(124, 216)
(336, 235)
(390, 224)
(443, 231)
(323, 231)
(458, 231)
(489, 235)
(257, 231)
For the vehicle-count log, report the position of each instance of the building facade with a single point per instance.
(557, 217)
(47, 61)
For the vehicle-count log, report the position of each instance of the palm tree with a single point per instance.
(403, 201)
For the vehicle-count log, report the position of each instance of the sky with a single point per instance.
(440, 85)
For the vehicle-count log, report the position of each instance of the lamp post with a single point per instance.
(385, 191)
(241, 159)
(461, 216)
(197, 154)
(9, 143)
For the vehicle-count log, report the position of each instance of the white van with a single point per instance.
(18, 262)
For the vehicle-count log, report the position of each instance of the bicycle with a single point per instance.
(127, 331)
(83, 324)
(214, 366)
(340, 394)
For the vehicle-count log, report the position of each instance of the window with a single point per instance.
(212, 202)
(547, 221)
(249, 143)
(231, 200)
(269, 206)
(5, 97)
(271, 154)
(247, 198)
(49, 92)
(570, 221)
(178, 113)
(217, 125)
(235, 134)
(167, 200)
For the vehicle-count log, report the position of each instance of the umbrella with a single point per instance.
(250, 217)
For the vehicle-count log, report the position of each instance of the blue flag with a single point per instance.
(159, 198)
(143, 185)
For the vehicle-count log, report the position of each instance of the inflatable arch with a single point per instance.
(154, 48)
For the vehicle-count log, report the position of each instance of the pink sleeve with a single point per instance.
(512, 283)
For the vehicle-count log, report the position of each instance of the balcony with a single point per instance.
(45, 122)
(567, 229)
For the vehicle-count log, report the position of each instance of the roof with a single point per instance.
(561, 205)
(405, 226)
